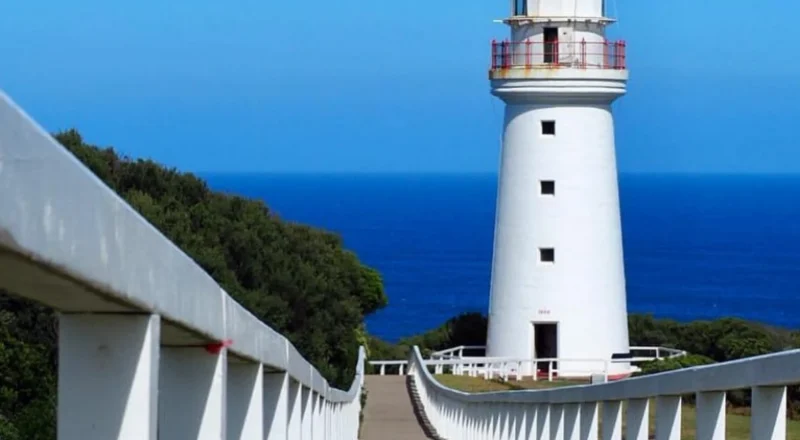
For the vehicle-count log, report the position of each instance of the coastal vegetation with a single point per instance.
(299, 280)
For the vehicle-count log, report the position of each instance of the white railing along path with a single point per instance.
(573, 412)
(150, 346)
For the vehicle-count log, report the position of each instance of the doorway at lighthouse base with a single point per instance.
(545, 340)
(545, 346)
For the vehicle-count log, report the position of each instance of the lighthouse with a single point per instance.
(558, 281)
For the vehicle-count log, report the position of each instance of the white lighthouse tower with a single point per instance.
(558, 282)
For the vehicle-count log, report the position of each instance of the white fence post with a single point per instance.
(668, 418)
(527, 429)
(612, 421)
(295, 409)
(637, 420)
(245, 397)
(543, 422)
(108, 368)
(556, 422)
(768, 417)
(307, 408)
(276, 405)
(572, 413)
(711, 416)
(588, 421)
(316, 427)
(192, 393)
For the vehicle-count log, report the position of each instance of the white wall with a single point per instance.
(584, 290)
(565, 8)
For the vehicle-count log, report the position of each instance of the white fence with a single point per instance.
(150, 346)
(574, 412)
(453, 361)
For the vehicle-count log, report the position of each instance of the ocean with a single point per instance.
(696, 246)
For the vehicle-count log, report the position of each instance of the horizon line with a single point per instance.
(486, 173)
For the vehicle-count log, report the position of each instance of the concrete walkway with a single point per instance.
(389, 414)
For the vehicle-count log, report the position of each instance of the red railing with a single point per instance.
(558, 54)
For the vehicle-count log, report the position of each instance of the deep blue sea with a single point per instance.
(695, 246)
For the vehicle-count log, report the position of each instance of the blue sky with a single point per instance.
(353, 85)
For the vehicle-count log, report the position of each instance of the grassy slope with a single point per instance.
(738, 425)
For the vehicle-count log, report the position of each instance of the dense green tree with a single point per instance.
(464, 329)
(721, 340)
(692, 360)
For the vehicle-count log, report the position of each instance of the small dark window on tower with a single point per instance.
(547, 255)
(548, 187)
(549, 128)
(551, 45)
(521, 7)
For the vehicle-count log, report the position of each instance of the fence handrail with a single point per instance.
(399, 362)
(457, 349)
(777, 369)
(63, 220)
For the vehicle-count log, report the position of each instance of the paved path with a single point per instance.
(388, 414)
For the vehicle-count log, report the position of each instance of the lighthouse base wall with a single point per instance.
(558, 244)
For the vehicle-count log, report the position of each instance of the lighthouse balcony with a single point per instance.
(530, 58)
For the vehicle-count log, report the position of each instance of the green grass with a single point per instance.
(737, 426)
(480, 385)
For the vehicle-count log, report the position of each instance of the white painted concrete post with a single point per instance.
(245, 396)
(506, 420)
(638, 423)
(316, 425)
(572, 421)
(337, 420)
(402, 368)
(339, 424)
(493, 422)
(323, 431)
(588, 421)
(276, 405)
(542, 422)
(768, 419)
(488, 428)
(711, 416)
(329, 420)
(307, 409)
(668, 418)
(478, 421)
(333, 434)
(312, 408)
(557, 422)
(516, 416)
(524, 422)
(612, 421)
(529, 424)
(295, 409)
(326, 419)
(108, 376)
(192, 393)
